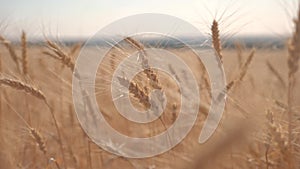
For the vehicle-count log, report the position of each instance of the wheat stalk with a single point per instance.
(57, 53)
(18, 85)
(0, 89)
(294, 50)
(1, 68)
(24, 53)
(293, 65)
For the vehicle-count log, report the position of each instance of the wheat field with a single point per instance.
(259, 129)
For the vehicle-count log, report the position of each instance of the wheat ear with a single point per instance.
(135, 43)
(137, 91)
(59, 54)
(74, 49)
(39, 139)
(24, 53)
(141, 48)
(215, 33)
(16, 84)
(11, 51)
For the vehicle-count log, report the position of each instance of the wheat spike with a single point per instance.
(24, 53)
(294, 49)
(51, 55)
(215, 32)
(136, 44)
(276, 139)
(274, 130)
(11, 51)
(139, 93)
(16, 84)
(59, 54)
(39, 139)
(152, 76)
(293, 65)
(141, 48)
(74, 49)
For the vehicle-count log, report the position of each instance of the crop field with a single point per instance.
(41, 128)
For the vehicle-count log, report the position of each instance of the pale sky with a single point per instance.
(79, 18)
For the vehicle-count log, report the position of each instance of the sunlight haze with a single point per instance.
(79, 19)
